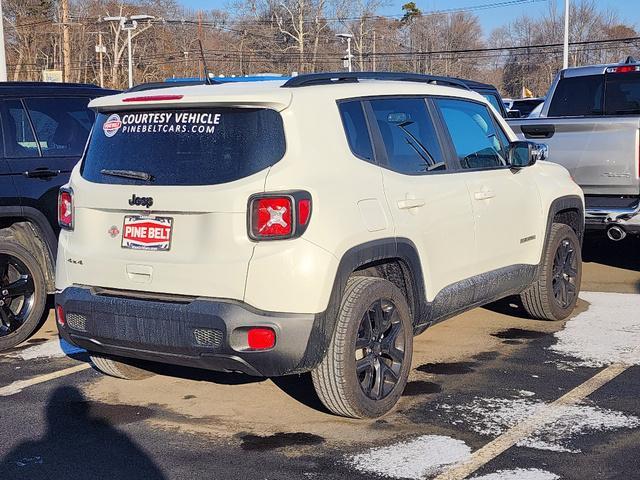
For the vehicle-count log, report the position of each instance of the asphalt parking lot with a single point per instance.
(492, 395)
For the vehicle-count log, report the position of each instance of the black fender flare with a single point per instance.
(392, 248)
(568, 202)
(43, 227)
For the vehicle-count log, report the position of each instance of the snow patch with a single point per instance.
(526, 393)
(50, 349)
(415, 459)
(519, 474)
(493, 416)
(608, 332)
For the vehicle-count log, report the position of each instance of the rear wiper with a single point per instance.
(147, 177)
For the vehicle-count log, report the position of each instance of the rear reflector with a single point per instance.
(304, 211)
(261, 338)
(60, 316)
(152, 98)
(624, 69)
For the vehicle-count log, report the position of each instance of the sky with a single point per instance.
(490, 18)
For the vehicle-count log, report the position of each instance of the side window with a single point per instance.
(493, 100)
(62, 125)
(409, 135)
(578, 96)
(19, 141)
(355, 126)
(476, 139)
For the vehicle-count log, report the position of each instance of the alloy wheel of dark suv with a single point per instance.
(22, 294)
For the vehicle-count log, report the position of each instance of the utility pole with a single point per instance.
(101, 49)
(565, 56)
(66, 42)
(374, 51)
(3, 59)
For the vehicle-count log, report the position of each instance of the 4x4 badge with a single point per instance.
(113, 231)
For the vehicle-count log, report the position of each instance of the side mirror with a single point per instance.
(524, 154)
(514, 114)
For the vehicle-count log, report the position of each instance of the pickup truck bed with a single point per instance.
(602, 156)
(600, 148)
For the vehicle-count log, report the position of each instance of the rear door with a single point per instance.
(428, 202)
(161, 199)
(506, 202)
(9, 200)
(43, 140)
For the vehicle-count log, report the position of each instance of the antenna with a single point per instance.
(207, 78)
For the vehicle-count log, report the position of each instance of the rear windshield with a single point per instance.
(622, 95)
(595, 95)
(183, 147)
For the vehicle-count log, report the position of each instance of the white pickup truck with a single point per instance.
(591, 122)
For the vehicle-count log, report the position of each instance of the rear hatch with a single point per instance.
(161, 199)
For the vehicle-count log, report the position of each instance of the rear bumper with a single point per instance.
(196, 332)
(628, 218)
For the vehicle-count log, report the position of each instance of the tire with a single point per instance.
(23, 292)
(336, 380)
(119, 368)
(554, 295)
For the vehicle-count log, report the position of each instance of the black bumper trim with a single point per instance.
(161, 331)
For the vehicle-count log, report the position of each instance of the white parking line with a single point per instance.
(544, 416)
(20, 385)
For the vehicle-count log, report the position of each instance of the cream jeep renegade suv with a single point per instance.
(315, 225)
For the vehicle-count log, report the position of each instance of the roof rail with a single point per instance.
(353, 77)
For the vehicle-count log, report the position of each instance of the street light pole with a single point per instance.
(129, 24)
(565, 53)
(347, 37)
(3, 59)
(130, 56)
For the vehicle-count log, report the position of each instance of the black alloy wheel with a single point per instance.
(379, 350)
(17, 294)
(565, 272)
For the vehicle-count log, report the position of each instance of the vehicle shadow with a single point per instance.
(200, 375)
(511, 306)
(80, 445)
(298, 387)
(623, 254)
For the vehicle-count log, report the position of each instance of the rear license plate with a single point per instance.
(147, 233)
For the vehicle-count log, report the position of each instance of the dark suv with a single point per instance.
(44, 131)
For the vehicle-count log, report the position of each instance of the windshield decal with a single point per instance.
(112, 125)
(169, 122)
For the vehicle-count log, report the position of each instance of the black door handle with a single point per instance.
(538, 131)
(42, 173)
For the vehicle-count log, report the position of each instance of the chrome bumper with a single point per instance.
(628, 217)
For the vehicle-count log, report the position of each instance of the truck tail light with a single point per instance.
(65, 208)
(277, 216)
(624, 69)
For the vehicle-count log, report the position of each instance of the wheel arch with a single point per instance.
(395, 259)
(40, 237)
(568, 210)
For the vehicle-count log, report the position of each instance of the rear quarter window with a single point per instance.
(578, 97)
(184, 147)
(355, 127)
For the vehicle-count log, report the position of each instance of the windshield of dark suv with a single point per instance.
(183, 147)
